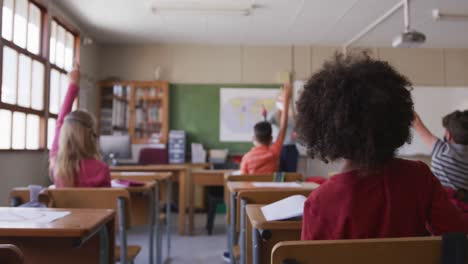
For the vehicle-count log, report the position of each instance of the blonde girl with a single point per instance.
(75, 160)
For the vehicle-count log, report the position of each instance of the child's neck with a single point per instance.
(348, 166)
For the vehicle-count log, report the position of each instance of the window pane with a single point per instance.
(54, 91)
(32, 138)
(53, 41)
(63, 87)
(24, 81)
(70, 41)
(34, 29)
(19, 127)
(7, 20)
(37, 99)
(9, 69)
(60, 56)
(50, 132)
(20, 26)
(5, 131)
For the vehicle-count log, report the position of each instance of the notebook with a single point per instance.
(291, 207)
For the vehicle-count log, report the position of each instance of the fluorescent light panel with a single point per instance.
(201, 7)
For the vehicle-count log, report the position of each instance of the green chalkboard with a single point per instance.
(194, 108)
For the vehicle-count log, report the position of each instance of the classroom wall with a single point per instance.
(215, 64)
(202, 68)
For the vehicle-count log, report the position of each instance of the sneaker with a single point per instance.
(227, 257)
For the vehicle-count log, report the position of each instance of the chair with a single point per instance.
(260, 197)
(153, 156)
(420, 250)
(18, 196)
(10, 254)
(101, 198)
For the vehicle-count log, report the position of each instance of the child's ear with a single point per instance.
(448, 136)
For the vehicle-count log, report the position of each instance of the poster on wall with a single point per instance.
(241, 109)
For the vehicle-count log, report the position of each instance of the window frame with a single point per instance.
(44, 58)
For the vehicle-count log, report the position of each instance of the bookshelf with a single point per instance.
(137, 108)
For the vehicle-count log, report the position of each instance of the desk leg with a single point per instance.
(151, 207)
(232, 231)
(256, 246)
(168, 217)
(155, 212)
(191, 204)
(242, 242)
(182, 200)
(104, 246)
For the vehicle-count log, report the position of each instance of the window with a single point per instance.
(28, 104)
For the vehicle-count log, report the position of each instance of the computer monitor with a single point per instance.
(115, 147)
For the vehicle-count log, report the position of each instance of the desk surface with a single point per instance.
(78, 224)
(248, 185)
(214, 172)
(142, 176)
(254, 213)
(160, 167)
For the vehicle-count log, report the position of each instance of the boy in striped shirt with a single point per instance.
(449, 156)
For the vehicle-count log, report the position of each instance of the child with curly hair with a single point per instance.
(360, 110)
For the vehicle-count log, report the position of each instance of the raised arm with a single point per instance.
(72, 93)
(284, 114)
(428, 138)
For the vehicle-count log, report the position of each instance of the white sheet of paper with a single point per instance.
(30, 215)
(276, 184)
(290, 207)
(130, 173)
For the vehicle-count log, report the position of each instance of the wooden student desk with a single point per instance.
(202, 177)
(83, 236)
(143, 206)
(263, 235)
(234, 188)
(181, 174)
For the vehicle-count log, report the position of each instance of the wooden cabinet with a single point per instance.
(137, 108)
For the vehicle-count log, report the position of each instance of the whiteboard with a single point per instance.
(433, 103)
(241, 109)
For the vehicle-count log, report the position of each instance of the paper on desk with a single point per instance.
(290, 207)
(135, 173)
(30, 215)
(276, 184)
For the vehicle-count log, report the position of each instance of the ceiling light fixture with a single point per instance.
(439, 16)
(202, 8)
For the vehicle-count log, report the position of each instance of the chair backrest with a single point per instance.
(18, 196)
(153, 156)
(91, 198)
(424, 250)
(10, 254)
(288, 177)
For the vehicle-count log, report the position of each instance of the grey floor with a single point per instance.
(196, 249)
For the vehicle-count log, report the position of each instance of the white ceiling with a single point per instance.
(276, 22)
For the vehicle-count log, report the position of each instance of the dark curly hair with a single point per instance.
(457, 124)
(357, 108)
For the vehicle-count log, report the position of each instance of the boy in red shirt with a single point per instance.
(360, 110)
(264, 157)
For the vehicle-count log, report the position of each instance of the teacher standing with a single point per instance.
(289, 153)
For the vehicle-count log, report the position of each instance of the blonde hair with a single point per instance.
(78, 140)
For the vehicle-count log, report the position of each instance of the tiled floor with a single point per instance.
(196, 249)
